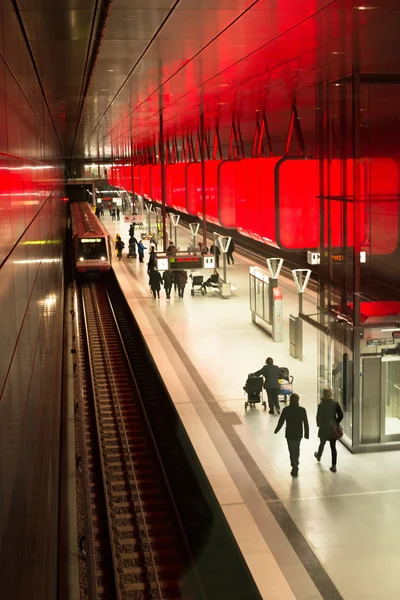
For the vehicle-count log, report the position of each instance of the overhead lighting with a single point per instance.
(366, 7)
(110, 70)
(336, 52)
(391, 329)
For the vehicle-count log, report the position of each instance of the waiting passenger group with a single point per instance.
(176, 279)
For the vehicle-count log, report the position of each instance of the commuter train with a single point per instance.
(90, 240)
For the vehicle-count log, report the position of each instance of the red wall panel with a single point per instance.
(227, 192)
(382, 211)
(155, 183)
(297, 204)
(145, 181)
(193, 188)
(176, 186)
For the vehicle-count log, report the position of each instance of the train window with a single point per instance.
(92, 249)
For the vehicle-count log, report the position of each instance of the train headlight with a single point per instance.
(103, 258)
(81, 259)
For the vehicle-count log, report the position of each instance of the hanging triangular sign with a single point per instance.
(174, 219)
(224, 242)
(274, 266)
(194, 228)
(301, 277)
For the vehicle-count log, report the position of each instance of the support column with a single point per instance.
(162, 164)
(203, 178)
(356, 100)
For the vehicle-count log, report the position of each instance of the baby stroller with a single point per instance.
(285, 384)
(197, 284)
(254, 391)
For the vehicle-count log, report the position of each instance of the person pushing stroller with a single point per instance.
(271, 374)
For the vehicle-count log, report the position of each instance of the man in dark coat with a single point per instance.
(216, 251)
(329, 415)
(229, 254)
(168, 279)
(155, 282)
(271, 374)
(295, 417)
(181, 279)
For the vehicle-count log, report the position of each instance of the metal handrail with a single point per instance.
(116, 397)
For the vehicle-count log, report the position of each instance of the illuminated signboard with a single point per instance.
(90, 240)
(186, 262)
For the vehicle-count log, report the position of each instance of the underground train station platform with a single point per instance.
(301, 537)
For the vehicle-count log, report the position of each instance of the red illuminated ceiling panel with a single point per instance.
(211, 176)
(241, 197)
(176, 186)
(137, 182)
(227, 192)
(267, 200)
(194, 190)
(297, 204)
(145, 181)
(382, 210)
(155, 183)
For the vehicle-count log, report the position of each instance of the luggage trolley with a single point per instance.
(197, 284)
(254, 391)
(286, 384)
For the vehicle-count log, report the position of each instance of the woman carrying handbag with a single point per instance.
(329, 416)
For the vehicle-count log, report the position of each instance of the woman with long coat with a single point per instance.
(329, 415)
(155, 282)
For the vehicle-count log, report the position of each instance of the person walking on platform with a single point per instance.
(152, 260)
(119, 246)
(113, 214)
(217, 252)
(168, 279)
(329, 416)
(118, 213)
(229, 254)
(155, 282)
(132, 229)
(171, 250)
(132, 247)
(296, 420)
(271, 374)
(141, 249)
(181, 282)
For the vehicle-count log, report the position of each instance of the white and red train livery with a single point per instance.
(91, 241)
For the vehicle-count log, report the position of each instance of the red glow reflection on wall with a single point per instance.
(176, 186)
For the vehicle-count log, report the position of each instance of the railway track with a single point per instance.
(138, 550)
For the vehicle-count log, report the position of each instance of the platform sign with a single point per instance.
(314, 258)
(162, 264)
(209, 262)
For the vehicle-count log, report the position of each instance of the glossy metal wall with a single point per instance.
(31, 299)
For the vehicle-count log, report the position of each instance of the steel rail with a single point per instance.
(94, 326)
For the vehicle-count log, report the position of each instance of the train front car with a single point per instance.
(91, 242)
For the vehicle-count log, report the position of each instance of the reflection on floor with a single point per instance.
(322, 535)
